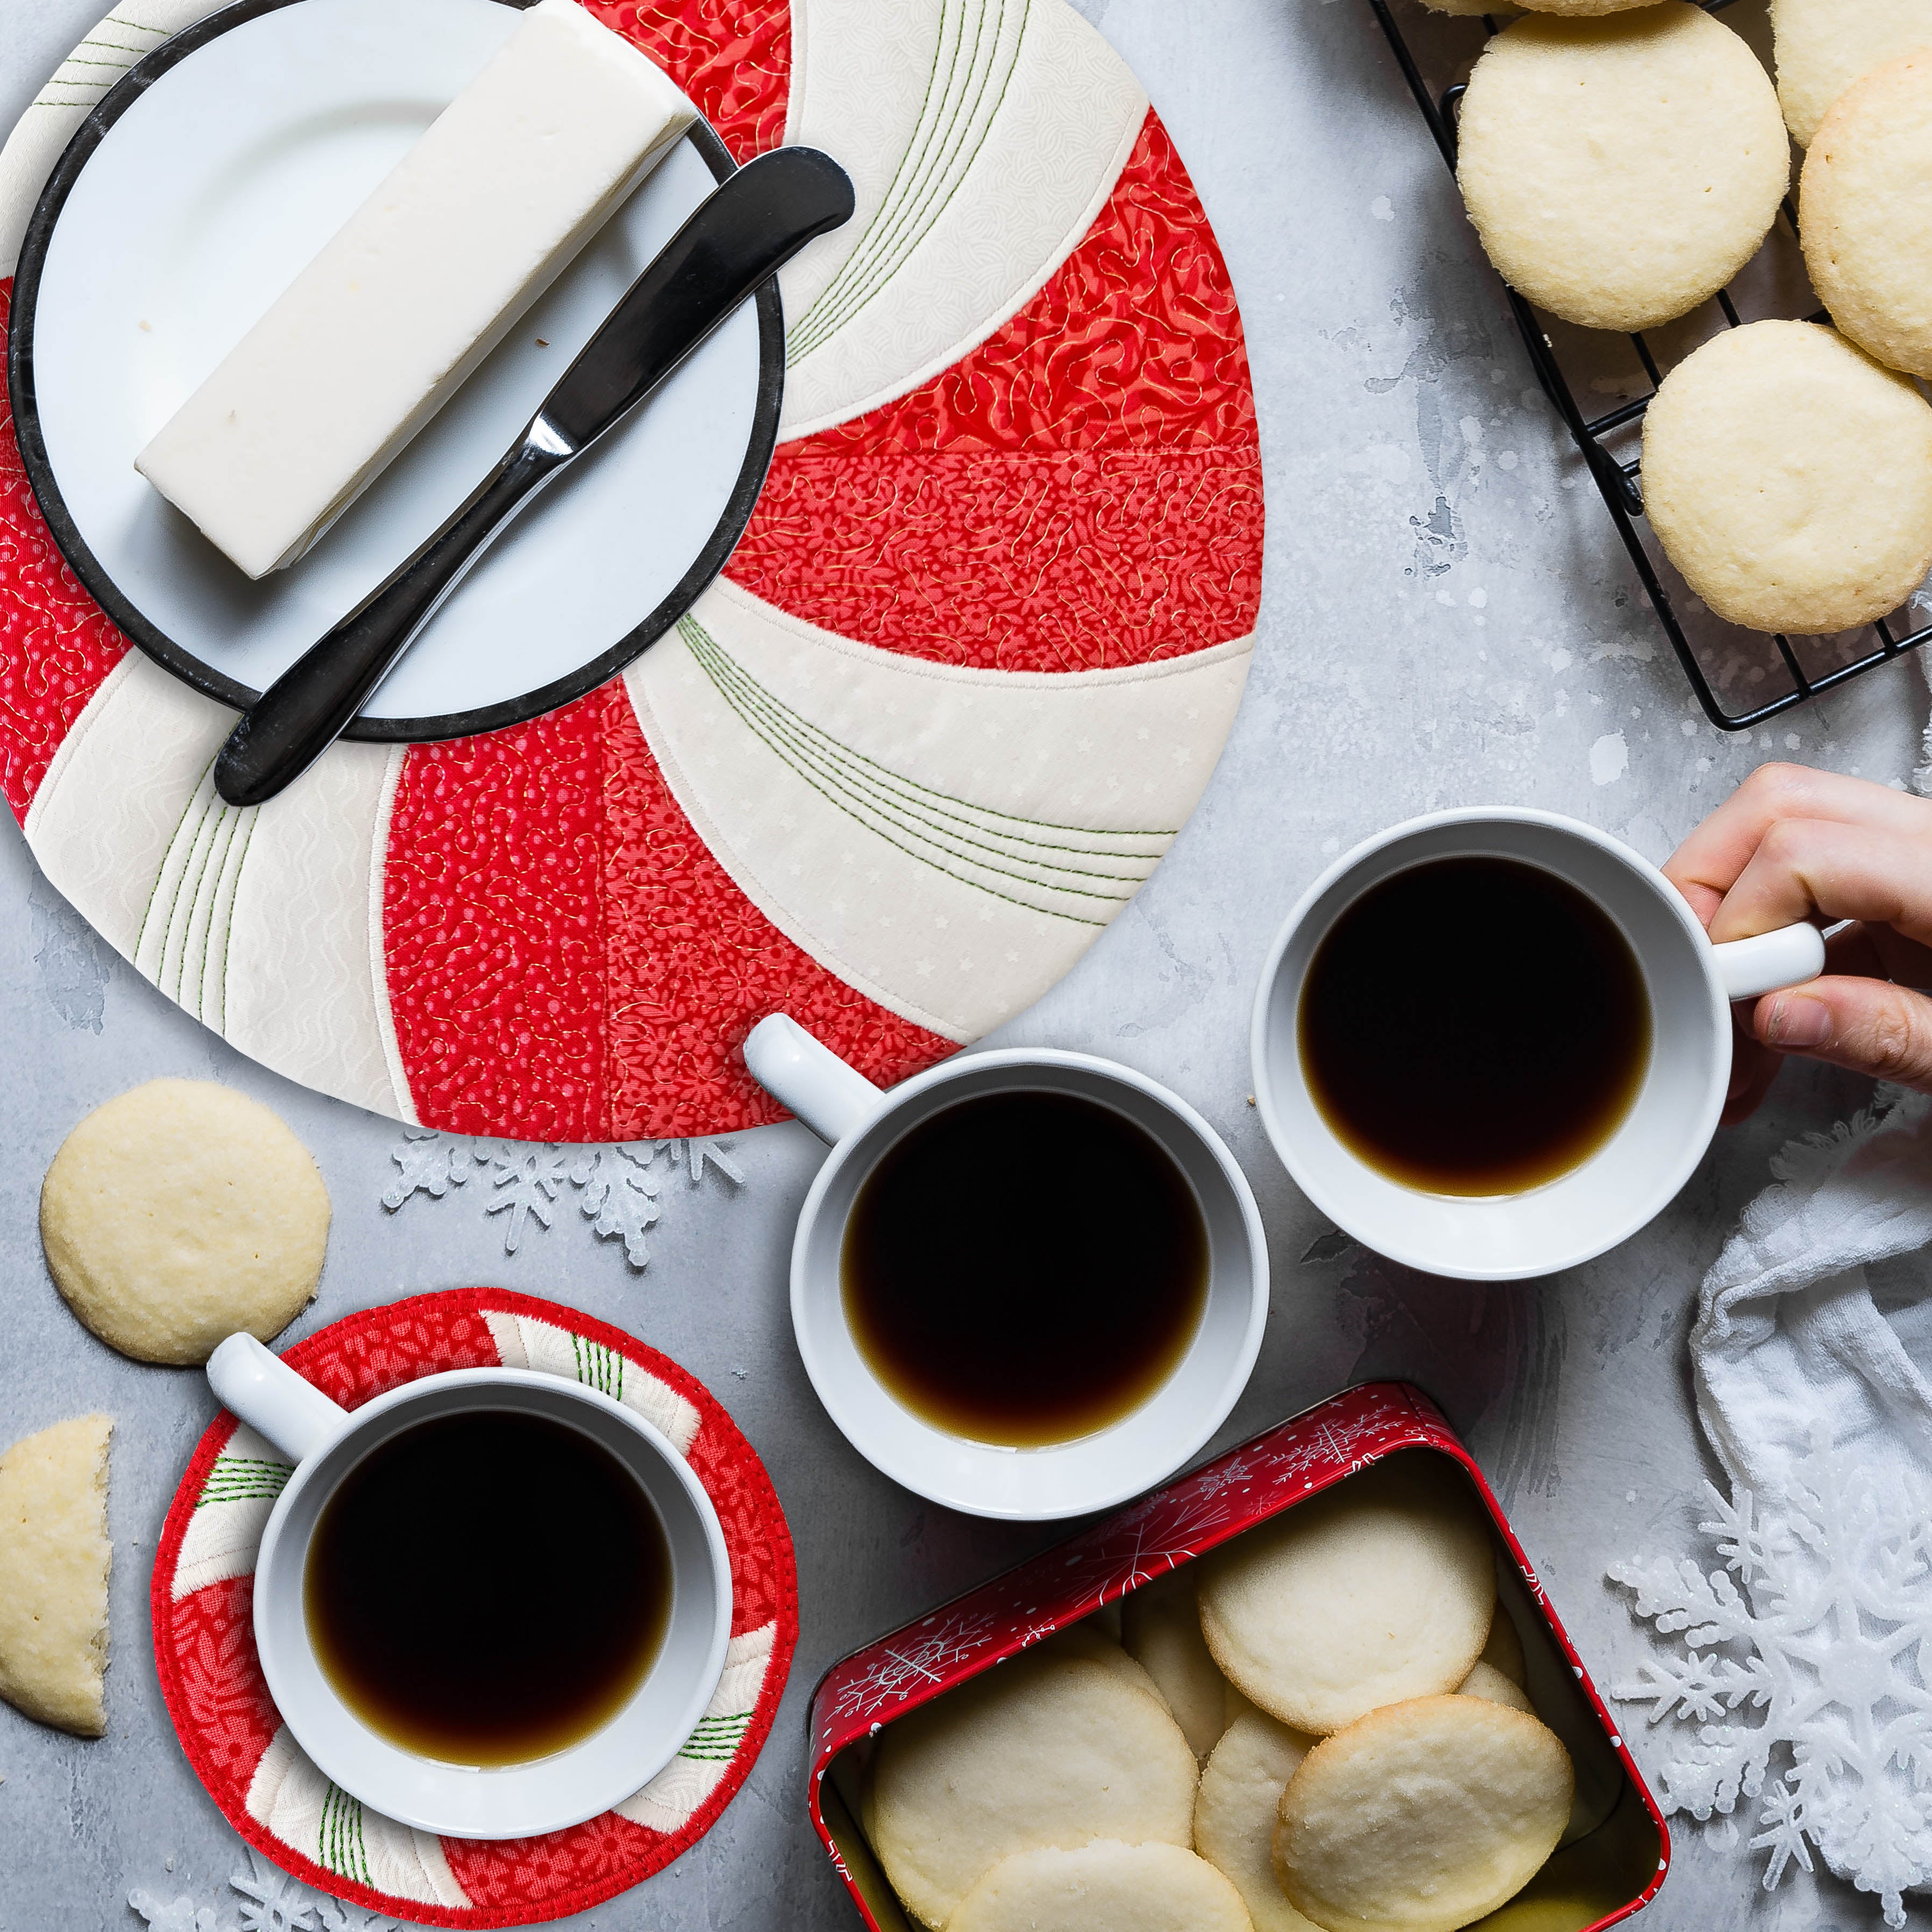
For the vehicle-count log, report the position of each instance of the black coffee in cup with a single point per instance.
(1025, 1268)
(1474, 1026)
(488, 1587)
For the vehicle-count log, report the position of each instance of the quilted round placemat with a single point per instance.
(270, 1791)
(964, 677)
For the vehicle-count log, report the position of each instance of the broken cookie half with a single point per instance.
(54, 1553)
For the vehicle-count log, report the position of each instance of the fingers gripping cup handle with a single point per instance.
(831, 1098)
(271, 1399)
(1770, 960)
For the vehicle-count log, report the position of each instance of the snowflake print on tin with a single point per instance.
(620, 1190)
(1824, 1632)
(930, 1654)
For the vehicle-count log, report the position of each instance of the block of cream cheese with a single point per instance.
(420, 283)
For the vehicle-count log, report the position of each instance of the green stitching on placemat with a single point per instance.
(235, 1479)
(221, 839)
(689, 628)
(598, 1367)
(833, 771)
(228, 930)
(141, 936)
(716, 1740)
(340, 1847)
(811, 744)
(904, 220)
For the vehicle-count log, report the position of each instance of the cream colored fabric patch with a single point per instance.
(54, 1559)
(669, 1802)
(524, 1342)
(1422, 1817)
(1235, 1812)
(1789, 478)
(266, 925)
(224, 1531)
(180, 1212)
(1043, 1751)
(1160, 1625)
(1865, 210)
(1621, 170)
(957, 897)
(290, 1797)
(1822, 45)
(1009, 122)
(1379, 1589)
(1116, 1887)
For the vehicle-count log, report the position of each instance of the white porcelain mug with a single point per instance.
(1092, 1472)
(1639, 1168)
(512, 1800)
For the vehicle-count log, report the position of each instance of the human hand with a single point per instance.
(1791, 844)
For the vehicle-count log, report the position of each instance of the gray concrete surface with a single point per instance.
(1401, 433)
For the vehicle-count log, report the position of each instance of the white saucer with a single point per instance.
(188, 202)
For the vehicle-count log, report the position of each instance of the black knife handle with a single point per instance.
(312, 703)
(754, 222)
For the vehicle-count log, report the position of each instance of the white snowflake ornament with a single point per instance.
(174, 1914)
(528, 1180)
(272, 1901)
(1823, 1632)
(431, 1164)
(620, 1194)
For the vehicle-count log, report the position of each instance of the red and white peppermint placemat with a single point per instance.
(271, 1792)
(965, 676)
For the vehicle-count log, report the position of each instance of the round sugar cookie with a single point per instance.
(1107, 1885)
(1621, 170)
(179, 1213)
(1864, 210)
(1379, 1589)
(1041, 1751)
(1486, 1681)
(55, 1556)
(1088, 1640)
(1821, 46)
(1235, 1810)
(1423, 1817)
(1160, 1626)
(1788, 478)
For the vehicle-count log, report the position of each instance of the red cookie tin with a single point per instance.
(1612, 1870)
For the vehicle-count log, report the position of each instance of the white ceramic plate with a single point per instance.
(188, 200)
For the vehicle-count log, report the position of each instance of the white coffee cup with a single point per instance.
(1637, 1171)
(1092, 1472)
(512, 1800)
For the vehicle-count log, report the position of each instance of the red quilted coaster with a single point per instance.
(205, 1644)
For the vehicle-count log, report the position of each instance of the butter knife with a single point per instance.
(756, 220)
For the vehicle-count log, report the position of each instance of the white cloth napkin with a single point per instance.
(1788, 1339)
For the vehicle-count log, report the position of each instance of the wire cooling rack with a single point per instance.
(1740, 677)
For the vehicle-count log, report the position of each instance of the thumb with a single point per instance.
(1871, 1026)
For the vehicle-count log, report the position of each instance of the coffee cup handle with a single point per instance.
(799, 1071)
(1769, 962)
(271, 1399)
